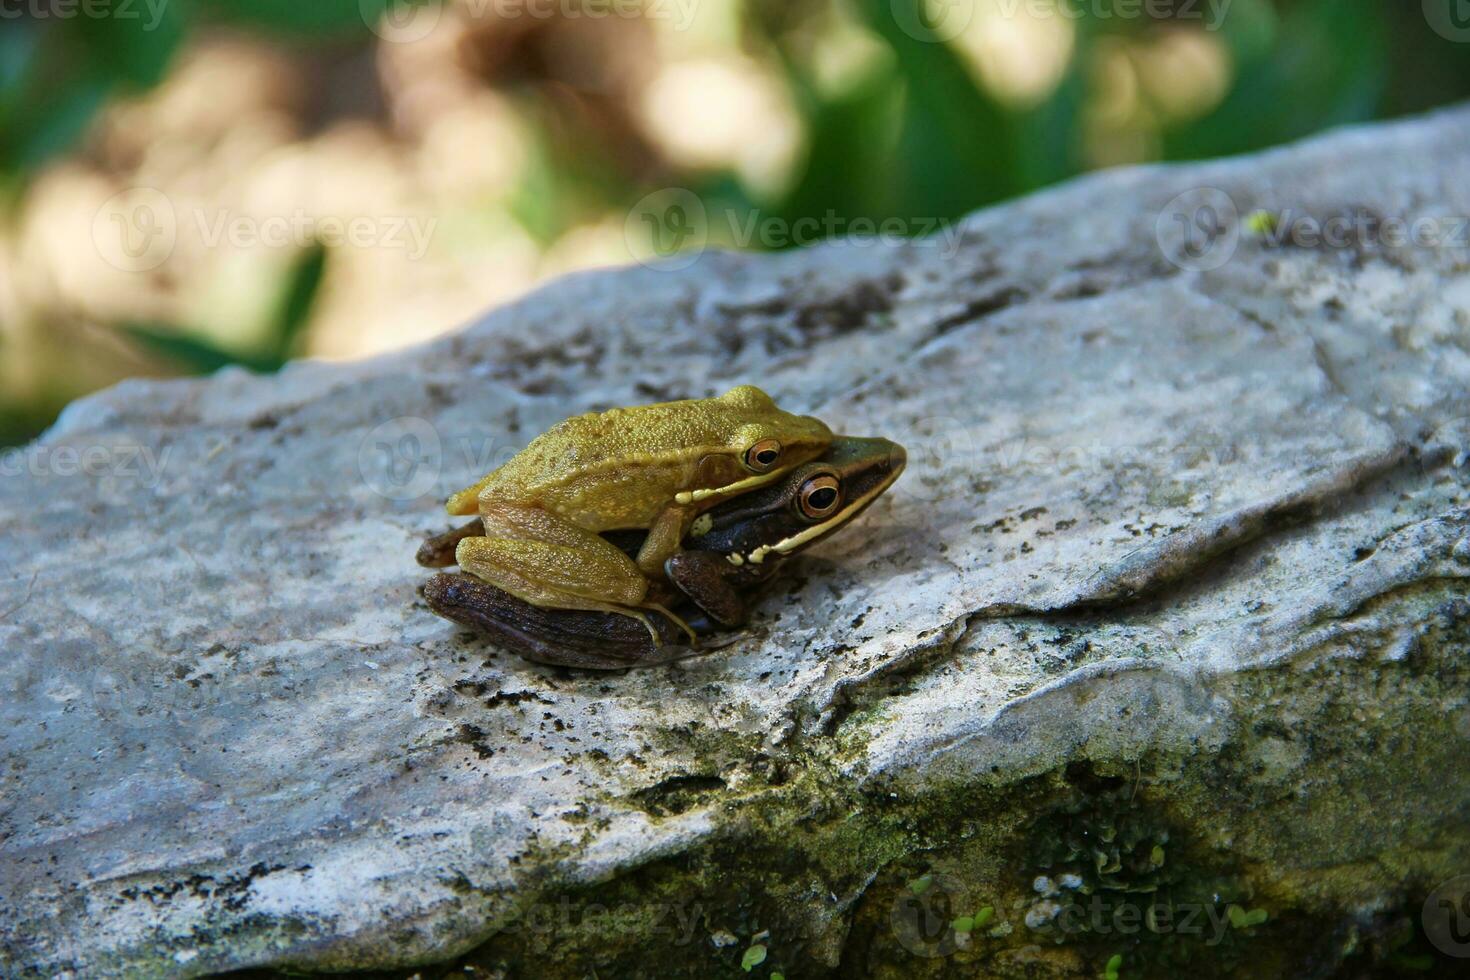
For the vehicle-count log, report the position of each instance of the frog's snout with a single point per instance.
(898, 458)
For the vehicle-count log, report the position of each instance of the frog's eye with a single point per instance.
(819, 497)
(763, 456)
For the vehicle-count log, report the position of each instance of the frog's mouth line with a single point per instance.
(739, 486)
(854, 507)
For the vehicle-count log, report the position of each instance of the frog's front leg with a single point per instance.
(549, 562)
(663, 540)
(711, 583)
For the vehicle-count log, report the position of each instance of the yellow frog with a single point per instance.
(651, 467)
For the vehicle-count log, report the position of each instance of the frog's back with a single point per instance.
(622, 451)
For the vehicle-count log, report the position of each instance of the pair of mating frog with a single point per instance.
(587, 537)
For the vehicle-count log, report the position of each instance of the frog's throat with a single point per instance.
(739, 486)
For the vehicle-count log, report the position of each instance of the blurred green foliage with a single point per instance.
(57, 71)
(193, 355)
(916, 137)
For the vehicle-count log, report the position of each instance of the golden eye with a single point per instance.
(820, 496)
(763, 456)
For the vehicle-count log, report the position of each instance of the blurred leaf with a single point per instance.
(20, 422)
(850, 146)
(537, 203)
(300, 295)
(19, 45)
(1327, 67)
(134, 41)
(309, 17)
(956, 147)
(1048, 135)
(33, 133)
(1249, 29)
(49, 92)
(193, 354)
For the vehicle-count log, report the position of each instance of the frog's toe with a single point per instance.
(439, 551)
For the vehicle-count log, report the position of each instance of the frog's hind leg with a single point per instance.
(565, 638)
(546, 561)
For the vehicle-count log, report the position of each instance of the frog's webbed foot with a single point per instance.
(438, 551)
(676, 620)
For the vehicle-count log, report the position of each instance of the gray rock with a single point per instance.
(1173, 598)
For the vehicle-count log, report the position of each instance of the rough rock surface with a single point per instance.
(1173, 596)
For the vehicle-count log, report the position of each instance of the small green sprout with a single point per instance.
(1115, 963)
(920, 885)
(1241, 919)
(1260, 222)
(754, 957)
